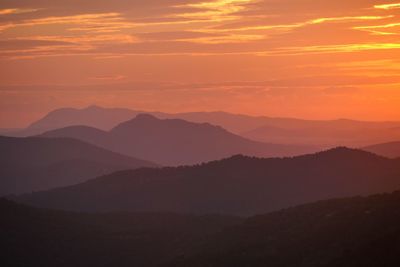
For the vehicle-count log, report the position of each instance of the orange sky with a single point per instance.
(298, 58)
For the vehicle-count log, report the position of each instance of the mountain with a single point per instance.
(343, 232)
(389, 150)
(238, 185)
(6, 131)
(34, 237)
(107, 118)
(93, 116)
(175, 142)
(31, 164)
(235, 123)
(357, 231)
(325, 133)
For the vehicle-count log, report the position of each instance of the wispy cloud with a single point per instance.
(108, 78)
(388, 6)
(386, 29)
(11, 11)
(341, 48)
(216, 11)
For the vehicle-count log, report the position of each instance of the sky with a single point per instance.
(284, 58)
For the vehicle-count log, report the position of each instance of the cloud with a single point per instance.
(174, 35)
(217, 10)
(342, 90)
(388, 6)
(29, 44)
(385, 29)
(12, 11)
(196, 27)
(109, 78)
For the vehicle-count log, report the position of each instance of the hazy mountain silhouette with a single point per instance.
(107, 118)
(260, 128)
(93, 116)
(174, 141)
(328, 133)
(9, 131)
(344, 232)
(33, 237)
(235, 123)
(31, 164)
(237, 185)
(390, 150)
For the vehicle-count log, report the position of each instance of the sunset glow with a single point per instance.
(388, 6)
(307, 59)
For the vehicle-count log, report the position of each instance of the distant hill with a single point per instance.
(235, 123)
(6, 131)
(33, 237)
(326, 133)
(390, 150)
(175, 142)
(238, 185)
(344, 232)
(107, 118)
(32, 164)
(93, 116)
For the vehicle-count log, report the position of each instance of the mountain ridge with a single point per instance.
(34, 163)
(325, 133)
(238, 185)
(175, 141)
(390, 149)
(347, 232)
(64, 239)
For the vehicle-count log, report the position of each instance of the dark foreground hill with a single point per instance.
(345, 232)
(33, 237)
(32, 164)
(175, 142)
(359, 231)
(237, 185)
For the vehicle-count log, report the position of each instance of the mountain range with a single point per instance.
(93, 116)
(107, 118)
(357, 231)
(46, 238)
(238, 185)
(32, 164)
(173, 142)
(389, 150)
(326, 133)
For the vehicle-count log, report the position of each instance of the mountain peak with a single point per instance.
(140, 119)
(93, 107)
(145, 116)
(345, 152)
(147, 120)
